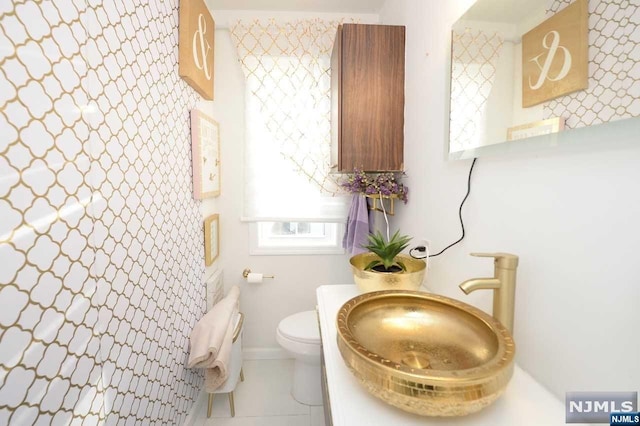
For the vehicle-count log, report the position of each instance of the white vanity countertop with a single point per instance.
(524, 403)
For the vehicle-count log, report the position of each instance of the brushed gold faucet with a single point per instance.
(503, 284)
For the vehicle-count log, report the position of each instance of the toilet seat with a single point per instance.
(301, 327)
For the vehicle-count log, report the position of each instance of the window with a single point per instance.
(290, 197)
(286, 238)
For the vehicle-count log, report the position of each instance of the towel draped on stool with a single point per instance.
(211, 340)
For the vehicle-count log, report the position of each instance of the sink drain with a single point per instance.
(415, 360)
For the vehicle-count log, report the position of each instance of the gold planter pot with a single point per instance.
(367, 281)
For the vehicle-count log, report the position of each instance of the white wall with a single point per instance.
(571, 216)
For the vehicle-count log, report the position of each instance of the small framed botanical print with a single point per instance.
(205, 149)
(211, 239)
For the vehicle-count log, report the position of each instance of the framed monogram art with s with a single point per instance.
(555, 55)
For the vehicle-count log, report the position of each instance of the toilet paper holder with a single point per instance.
(247, 271)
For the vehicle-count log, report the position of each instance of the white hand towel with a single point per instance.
(211, 340)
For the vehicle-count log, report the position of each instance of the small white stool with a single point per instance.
(235, 368)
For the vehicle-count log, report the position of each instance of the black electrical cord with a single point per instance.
(423, 249)
(473, 163)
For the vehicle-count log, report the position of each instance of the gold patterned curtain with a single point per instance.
(474, 57)
(288, 104)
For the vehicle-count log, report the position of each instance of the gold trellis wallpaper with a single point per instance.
(101, 247)
(614, 66)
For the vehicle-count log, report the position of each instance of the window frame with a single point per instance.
(295, 245)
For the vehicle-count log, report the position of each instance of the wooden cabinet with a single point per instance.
(367, 90)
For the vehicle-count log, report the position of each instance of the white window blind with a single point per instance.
(288, 129)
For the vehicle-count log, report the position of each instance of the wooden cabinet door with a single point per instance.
(368, 80)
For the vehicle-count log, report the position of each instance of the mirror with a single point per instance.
(486, 97)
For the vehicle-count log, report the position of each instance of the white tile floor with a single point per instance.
(263, 399)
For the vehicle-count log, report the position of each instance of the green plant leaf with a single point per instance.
(372, 264)
(387, 250)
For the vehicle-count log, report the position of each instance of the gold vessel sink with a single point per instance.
(424, 353)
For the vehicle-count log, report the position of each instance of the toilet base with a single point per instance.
(307, 385)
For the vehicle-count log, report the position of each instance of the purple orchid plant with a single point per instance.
(385, 183)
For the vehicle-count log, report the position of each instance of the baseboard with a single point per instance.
(196, 408)
(265, 353)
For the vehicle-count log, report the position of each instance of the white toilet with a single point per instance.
(299, 335)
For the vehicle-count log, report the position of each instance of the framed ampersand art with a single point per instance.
(555, 55)
(195, 56)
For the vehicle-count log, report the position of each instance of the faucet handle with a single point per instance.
(502, 260)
